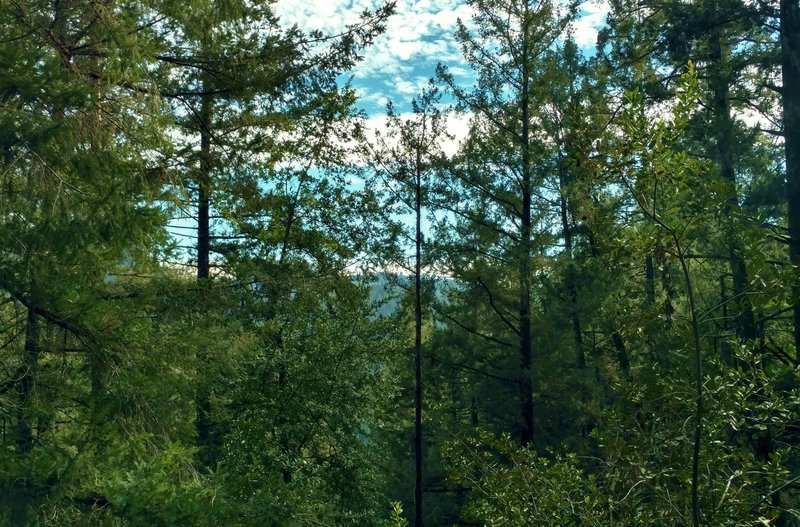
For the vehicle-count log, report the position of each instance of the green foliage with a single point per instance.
(513, 486)
(308, 416)
(608, 245)
(397, 519)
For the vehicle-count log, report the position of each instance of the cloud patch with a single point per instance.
(417, 37)
(420, 35)
(591, 19)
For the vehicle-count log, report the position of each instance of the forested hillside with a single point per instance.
(229, 299)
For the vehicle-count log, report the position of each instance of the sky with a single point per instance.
(418, 37)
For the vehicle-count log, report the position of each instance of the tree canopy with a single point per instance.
(228, 297)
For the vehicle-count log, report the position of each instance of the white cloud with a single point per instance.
(375, 97)
(420, 31)
(419, 35)
(408, 87)
(457, 127)
(591, 19)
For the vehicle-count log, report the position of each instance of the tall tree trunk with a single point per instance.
(725, 158)
(649, 282)
(418, 519)
(30, 357)
(570, 279)
(204, 191)
(622, 353)
(698, 384)
(473, 412)
(21, 498)
(525, 337)
(790, 93)
(203, 403)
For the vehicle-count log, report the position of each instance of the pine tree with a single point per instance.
(504, 161)
(247, 95)
(403, 161)
(78, 189)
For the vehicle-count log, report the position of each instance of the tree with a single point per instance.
(503, 163)
(403, 167)
(654, 156)
(102, 362)
(246, 94)
(789, 19)
(77, 205)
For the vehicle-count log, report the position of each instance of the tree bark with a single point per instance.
(525, 336)
(650, 281)
(622, 353)
(203, 424)
(418, 493)
(24, 430)
(790, 93)
(30, 357)
(204, 191)
(570, 279)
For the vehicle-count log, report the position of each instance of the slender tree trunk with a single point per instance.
(570, 280)
(203, 403)
(669, 290)
(204, 191)
(790, 94)
(525, 336)
(21, 498)
(30, 358)
(725, 157)
(649, 282)
(790, 65)
(622, 353)
(418, 497)
(473, 412)
(698, 382)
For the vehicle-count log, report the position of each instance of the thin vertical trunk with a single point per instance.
(30, 358)
(698, 382)
(726, 350)
(24, 431)
(473, 412)
(723, 297)
(525, 337)
(418, 520)
(204, 191)
(790, 93)
(203, 424)
(725, 158)
(570, 279)
(649, 281)
(669, 291)
(622, 353)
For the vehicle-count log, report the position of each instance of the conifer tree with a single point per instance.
(504, 160)
(246, 93)
(404, 160)
(79, 183)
